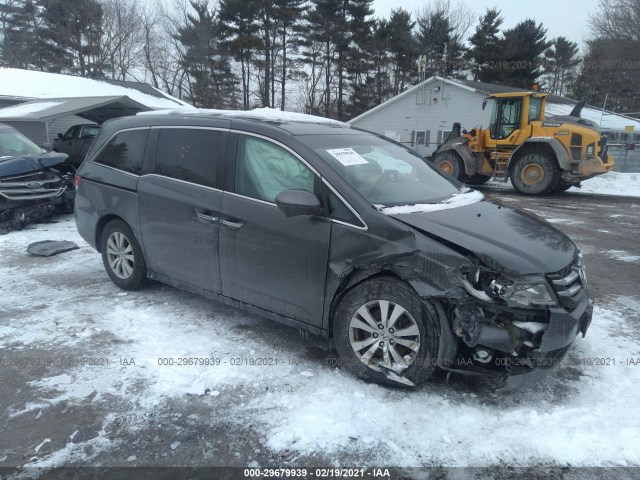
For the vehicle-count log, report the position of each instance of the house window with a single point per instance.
(420, 136)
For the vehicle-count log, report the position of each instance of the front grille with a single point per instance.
(576, 146)
(569, 283)
(33, 186)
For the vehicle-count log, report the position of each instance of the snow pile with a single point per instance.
(22, 110)
(458, 200)
(610, 183)
(15, 82)
(264, 114)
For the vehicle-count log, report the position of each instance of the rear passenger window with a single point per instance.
(125, 151)
(191, 155)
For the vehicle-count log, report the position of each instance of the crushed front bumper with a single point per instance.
(518, 356)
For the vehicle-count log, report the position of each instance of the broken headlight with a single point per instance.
(519, 291)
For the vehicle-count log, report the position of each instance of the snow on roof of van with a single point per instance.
(265, 114)
(42, 85)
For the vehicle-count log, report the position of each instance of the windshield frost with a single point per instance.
(383, 172)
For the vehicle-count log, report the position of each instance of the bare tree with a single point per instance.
(616, 19)
(122, 37)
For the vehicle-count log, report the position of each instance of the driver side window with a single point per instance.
(509, 114)
(70, 133)
(264, 169)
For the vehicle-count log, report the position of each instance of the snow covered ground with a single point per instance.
(611, 183)
(584, 414)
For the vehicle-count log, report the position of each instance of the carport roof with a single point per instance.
(95, 109)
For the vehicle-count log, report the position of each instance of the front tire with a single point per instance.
(122, 256)
(385, 334)
(451, 164)
(535, 173)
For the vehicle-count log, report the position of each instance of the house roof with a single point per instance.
(15, 82)
(556, 104)
(140, 86)
(95, 109)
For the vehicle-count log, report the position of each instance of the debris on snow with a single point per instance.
(47, 248)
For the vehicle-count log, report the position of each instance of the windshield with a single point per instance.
(13, 144)
(383, 172)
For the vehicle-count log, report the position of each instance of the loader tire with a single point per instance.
(535, 173)
(451, 164)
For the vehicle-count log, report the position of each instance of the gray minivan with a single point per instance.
(339, 232)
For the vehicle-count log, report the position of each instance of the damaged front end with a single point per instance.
(515, 328)
(32, 187)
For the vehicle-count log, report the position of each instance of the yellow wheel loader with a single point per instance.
(539, 156)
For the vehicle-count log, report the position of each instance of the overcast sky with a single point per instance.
(568, 18)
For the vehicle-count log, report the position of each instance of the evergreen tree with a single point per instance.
(610, 74)
(288, 15)
(440, 39)
(20, 36)
(326, 29)
(71, 32)
(358, 59)
(561, 60)
(522, 47)
(485, 52)
(211, 79)
(379, 89)
(239, 31)
(610, 70)
(403, 49)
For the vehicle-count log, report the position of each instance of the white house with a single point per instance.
(422, 116)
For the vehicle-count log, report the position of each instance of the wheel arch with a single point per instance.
(354, 279)
(460, 146)
(447, 343)
(552, 146)
(102, 223)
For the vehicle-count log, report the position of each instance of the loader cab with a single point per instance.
(512, 115)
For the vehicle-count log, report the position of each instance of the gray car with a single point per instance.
(76, 142)
(339, 232)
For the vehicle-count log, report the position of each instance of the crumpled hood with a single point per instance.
(10, 166)
(504, 238)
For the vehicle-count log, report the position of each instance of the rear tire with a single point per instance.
(451, 164)
(535, 173)
(122, 256)
(380, 326)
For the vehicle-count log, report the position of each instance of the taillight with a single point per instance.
(76, 180)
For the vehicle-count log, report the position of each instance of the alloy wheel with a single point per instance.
(384, 334)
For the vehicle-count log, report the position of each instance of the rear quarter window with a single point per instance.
(125, 151)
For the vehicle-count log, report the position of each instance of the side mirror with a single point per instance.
(298, 202)
(484, 102)
(59, 136)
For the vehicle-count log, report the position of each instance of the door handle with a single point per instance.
(205, 217)
(237, 225)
